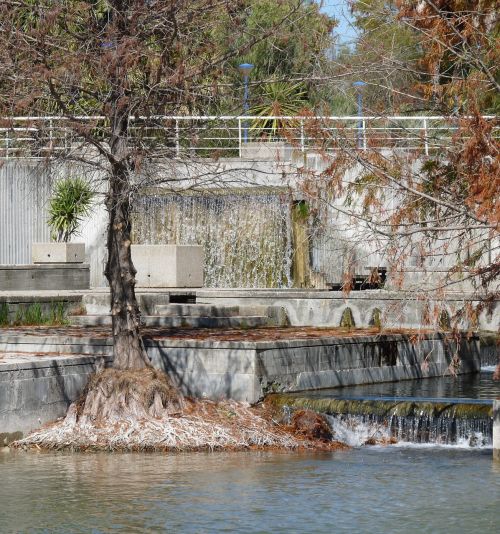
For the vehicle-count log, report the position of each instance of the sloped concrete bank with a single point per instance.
(41, 375)
(395, 309)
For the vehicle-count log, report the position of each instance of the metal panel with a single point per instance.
(24, 191)
(25, 188)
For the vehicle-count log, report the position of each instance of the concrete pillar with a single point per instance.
(496, 429)
(301, 272)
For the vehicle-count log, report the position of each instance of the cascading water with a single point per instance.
(360, 422)
(246, 237)
(358, 430)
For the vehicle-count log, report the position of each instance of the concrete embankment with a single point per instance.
(41, 375)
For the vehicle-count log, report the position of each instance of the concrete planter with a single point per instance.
(168, 265)
(58, 252)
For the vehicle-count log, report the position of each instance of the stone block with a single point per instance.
(168, 265)
(58, 252)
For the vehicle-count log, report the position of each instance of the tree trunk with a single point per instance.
(128, 347)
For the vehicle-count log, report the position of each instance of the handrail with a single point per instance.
(247, 117)
(206, 135)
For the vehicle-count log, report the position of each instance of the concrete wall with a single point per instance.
(35, 392)
(352, 361)
(247, 371)
(496, 430)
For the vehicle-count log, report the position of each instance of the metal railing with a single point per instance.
(224, 136)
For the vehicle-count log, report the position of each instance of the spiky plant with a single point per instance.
(278, 99)
(70, 203)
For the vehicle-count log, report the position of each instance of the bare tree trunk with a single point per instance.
(129, 351)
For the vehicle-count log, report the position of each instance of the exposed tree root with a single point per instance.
(142, 410)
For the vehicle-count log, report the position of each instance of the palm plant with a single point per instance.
(278, 99)
(70, 203)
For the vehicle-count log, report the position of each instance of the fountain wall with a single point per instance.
(246, 237)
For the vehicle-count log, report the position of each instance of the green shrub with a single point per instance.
(4, 314)
(71, 201)
(58, 314)
(278, 99)
(33, 315)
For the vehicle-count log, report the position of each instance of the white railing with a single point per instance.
(224, 136)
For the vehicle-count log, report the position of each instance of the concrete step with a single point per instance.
(276, 314)
(247, 321)
(53, 346)
(99, 303)
(196, 310)
(90, 320)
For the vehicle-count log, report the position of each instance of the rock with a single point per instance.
(311, 425)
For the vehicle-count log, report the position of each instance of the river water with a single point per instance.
(476, 386)
(403, 488)
(367, 490)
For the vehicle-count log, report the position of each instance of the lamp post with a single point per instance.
(359, 86)
(245, 69)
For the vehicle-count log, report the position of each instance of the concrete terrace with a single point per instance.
(44, 369)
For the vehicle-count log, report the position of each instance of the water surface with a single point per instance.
(372, 490)
(469, 386)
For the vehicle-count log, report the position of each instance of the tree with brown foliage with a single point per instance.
(431, 203)
(128, 61)
(119, 59)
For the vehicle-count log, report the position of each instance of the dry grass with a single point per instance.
(264, 334)
(142, 411)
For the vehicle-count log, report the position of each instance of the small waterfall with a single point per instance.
(358, 430)
(246, 237)
(360, 422)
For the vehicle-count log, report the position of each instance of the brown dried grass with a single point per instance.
(144, 411)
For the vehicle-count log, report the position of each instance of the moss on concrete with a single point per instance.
(376, 318)
(383, 407)
(347, 319)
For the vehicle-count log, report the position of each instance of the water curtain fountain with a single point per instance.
(247, 238)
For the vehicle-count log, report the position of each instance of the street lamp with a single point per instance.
(359, 86)
(245, 69)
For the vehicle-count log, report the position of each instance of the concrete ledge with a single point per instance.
(325, 308)
(58, 252)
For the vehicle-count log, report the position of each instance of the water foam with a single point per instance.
(423, 431)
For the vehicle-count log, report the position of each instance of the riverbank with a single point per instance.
(143, 411)
(44, 369)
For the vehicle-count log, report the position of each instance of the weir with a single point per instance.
(376, 419)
